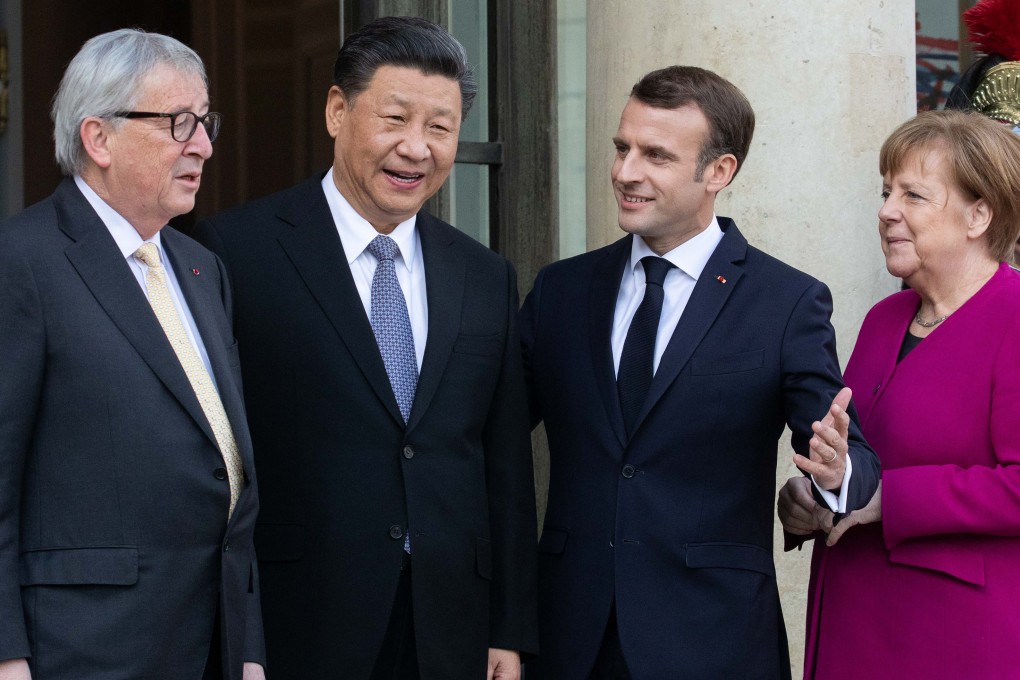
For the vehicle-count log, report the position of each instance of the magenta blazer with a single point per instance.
(933, 591)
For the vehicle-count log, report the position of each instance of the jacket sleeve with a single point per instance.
(527, 321)
(22, 351)
(511, 493)
(811, 379)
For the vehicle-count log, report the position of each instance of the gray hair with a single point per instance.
(106, 76)
(411, 42)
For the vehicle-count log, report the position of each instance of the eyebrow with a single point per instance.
(406, 103)
(652, 148)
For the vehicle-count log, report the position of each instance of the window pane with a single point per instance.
(469, 184)
(939, 32)
(571, 38)
(469, 200)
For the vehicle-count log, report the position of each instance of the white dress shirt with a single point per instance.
(355, 235)
(690, 259)
(128, 241)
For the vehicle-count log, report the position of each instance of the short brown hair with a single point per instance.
(729, 114)
(982, 160)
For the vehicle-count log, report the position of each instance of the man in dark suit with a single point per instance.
(665, 366)
(127, 488)
(385, 391)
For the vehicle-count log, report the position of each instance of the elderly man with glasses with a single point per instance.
(127, 488)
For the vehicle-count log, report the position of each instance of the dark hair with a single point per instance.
(729, 114)
(982, 159)
(411, 42)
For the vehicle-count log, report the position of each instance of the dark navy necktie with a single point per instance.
(635, 374)
(392, 325)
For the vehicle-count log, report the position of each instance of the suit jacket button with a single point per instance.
(628, 471)
(220, 473)
(396, 532)
(408, 452)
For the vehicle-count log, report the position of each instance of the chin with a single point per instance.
(900, 270)
(182, 208)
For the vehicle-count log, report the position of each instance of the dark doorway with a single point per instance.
(53, 31)
(269, 64)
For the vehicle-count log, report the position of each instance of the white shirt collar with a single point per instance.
(356, 232)
(690, 257)
(127, 238)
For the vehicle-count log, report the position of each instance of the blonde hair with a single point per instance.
(982, 159)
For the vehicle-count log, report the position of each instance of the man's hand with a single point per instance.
(797, 508)
(829, 447)
(504, 664)
(15, 669)
(253, 671)
(872, 512)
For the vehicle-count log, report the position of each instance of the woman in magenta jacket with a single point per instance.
(924, 582)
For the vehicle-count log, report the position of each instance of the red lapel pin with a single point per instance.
(720, 278)
(195, 271)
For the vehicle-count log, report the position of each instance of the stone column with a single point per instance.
(828, 82)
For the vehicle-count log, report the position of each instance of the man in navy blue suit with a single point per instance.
(665, 367)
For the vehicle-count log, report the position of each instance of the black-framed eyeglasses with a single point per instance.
(182, 123)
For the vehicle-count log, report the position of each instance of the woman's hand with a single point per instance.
(872, 512)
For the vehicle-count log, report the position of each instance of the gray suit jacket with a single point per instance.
(115, 552)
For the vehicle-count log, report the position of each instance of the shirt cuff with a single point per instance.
(837, 503)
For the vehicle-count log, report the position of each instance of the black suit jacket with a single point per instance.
(343, 478)
(114, 545)
(675, 524)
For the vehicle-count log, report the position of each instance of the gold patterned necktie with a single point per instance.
(163, 305)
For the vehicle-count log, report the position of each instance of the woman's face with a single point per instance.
(925, 221)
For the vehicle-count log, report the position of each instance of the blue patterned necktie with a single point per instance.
(392, 325)
(635, 374)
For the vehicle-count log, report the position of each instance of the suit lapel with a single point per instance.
(313, 245)
(605, 287)
(95, 256)
(707, 300)
(204, 302)
(445, 273)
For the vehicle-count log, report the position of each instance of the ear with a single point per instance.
(720, 172)
(337, 106)
(96, 140)
(979, 218)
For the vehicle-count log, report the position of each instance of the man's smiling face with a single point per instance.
(395, 143)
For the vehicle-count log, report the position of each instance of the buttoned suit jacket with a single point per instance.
(675, 523)
(342, 477)
(115, 550)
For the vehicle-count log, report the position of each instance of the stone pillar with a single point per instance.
(828, 82)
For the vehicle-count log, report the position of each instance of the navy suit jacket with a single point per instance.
(675, 524)
(115, 550)
(342, 478)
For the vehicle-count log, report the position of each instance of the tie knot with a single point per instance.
(149, 254)
(656, 269)
(383, 247)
